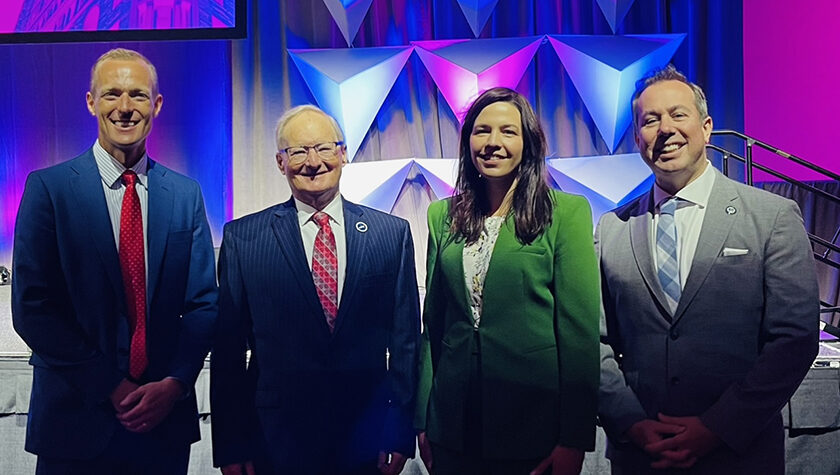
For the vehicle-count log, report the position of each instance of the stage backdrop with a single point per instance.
(223, 97)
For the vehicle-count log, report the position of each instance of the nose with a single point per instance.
(666, 126)
(124, 103)
(494, 140)
(312, 158)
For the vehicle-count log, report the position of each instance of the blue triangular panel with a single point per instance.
(348, 15)
(385, 195)
(440, 188)
(604, 70)
(615, 11)
(477, 13)
(356, 100)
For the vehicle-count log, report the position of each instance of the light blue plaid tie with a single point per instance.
(666, 252)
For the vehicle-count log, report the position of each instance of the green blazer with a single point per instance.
(538, 337)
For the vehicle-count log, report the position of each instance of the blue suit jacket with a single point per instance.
(316, 399)
(68, 303)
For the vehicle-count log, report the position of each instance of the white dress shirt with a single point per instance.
(111, 172)
(691, 209)
(309, 230)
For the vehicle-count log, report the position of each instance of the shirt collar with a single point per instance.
(334, 209)
(111, 170)
(697, 192)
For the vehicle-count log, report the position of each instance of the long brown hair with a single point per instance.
(532, 203)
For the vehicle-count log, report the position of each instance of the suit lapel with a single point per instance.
(90, 200)
(640, 223)
(716, 226)
(356, 242)
(287, 232)
(160, 203)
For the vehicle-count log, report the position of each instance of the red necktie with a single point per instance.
(325, 268)
(133, 266)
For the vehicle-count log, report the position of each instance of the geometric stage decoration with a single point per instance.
(462, 69)
(604, 70)
(614, 11)
(348, 15)
(607, 181)
(351, 84)
(477, 13)
(378, 184)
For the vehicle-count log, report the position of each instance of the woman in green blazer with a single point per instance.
(509, 370)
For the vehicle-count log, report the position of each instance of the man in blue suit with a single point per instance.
(113, 290)
(323, 294)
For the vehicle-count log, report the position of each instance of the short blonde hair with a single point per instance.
(123, 55)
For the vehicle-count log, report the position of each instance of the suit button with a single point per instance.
(675, 334)
(675, 381)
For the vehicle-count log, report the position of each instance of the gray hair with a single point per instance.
(122, 54)
(290, 114)
(669, 73)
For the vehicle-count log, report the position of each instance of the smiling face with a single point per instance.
(496, 141)
(125, 104)
(671, 134)
(313, 181)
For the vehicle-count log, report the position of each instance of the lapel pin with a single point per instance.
(731, 210)
(361, 226)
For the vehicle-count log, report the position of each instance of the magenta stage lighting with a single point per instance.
(463, 69)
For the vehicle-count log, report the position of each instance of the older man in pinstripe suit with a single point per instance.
(323, 294)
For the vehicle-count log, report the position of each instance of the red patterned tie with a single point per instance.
(325, 268)
(133, 265)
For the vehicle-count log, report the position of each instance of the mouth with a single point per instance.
(492, 158)
(312, 176)
(124, 124)
(668, 149)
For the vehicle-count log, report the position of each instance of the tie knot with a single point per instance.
(322, 218)
(669, 206)
(129, 177)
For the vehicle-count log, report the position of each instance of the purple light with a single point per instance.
(462, 69)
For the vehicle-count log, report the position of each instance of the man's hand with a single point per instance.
(150, 404)
(390, 463)
(649, 431)
(425, 450)
(122, 390)
(684, 449)
(246, 468)
(561, 461)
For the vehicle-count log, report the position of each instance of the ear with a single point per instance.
(158, 105)
(342, 155)
(708, 126)
(89, 99)
(278, 157)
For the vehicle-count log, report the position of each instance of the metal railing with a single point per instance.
(750, 165)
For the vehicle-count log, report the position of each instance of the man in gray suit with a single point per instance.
(710, 304)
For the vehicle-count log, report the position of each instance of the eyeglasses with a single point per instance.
(326, 150)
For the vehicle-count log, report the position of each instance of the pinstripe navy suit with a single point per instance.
(310, 401)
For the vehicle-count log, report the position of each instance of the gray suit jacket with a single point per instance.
(739, 343)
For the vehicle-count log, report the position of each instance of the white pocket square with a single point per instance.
(731, 251)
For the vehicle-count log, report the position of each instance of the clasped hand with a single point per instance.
(675, 442)
(141, 408)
